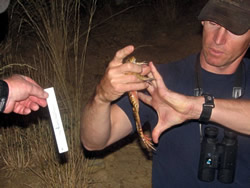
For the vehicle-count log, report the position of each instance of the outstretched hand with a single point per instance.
(25, 95)
(172, 108)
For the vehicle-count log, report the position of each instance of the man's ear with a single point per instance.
(202, 23)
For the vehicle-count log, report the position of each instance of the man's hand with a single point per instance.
(25, 95)
(172, 108)
(111, 123)
(116, 82)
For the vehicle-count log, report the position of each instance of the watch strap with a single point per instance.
(4, 93)
(207, 108)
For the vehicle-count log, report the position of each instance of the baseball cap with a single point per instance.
(4, 5)
(234, 15)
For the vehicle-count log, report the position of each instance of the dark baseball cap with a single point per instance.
(4, 5)
(234, 15)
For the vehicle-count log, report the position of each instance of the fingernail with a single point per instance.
(45, 95)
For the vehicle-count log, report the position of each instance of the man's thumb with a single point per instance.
(157, 131)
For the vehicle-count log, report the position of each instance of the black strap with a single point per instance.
(198, 84)
(207, 108)
(239, 83)
(238, 88)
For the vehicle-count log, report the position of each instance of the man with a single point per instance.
(178, 115)
(20, 94)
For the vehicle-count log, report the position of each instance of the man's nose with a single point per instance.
(220, 36)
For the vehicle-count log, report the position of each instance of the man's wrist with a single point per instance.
(208, 106)
(4, 93)
(101, 96)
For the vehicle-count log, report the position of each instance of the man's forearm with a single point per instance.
(95, 124)
(231, 113)
(234, 114)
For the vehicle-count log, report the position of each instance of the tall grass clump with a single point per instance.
(56, 59)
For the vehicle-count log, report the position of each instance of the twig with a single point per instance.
(143, 46)
(37, 174)
(16, 64)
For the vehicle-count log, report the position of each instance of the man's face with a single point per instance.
(222, 49)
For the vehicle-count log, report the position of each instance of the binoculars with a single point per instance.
(218, 157)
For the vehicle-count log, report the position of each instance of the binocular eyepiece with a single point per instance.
(218, 156)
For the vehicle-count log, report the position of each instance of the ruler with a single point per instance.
(56, 121)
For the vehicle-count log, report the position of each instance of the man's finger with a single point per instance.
(158, 79)
(152, 87)
(38, 92)
(145, 98)
(121, 54)
(146, 70)
(134, 86)
(154, 71)
(29, 80)
(39, 101)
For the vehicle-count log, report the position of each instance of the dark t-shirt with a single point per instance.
(176, 160)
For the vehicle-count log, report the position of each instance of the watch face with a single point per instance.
(4, 5)
(209, 98)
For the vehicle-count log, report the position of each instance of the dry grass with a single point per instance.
(58, 60)
(15, 151)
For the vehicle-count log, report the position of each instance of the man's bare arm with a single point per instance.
(102, 123)
(232, 113)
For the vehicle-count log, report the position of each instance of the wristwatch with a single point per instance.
(4, 92)
(207, 107)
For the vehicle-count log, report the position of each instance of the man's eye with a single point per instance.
(212, 23)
